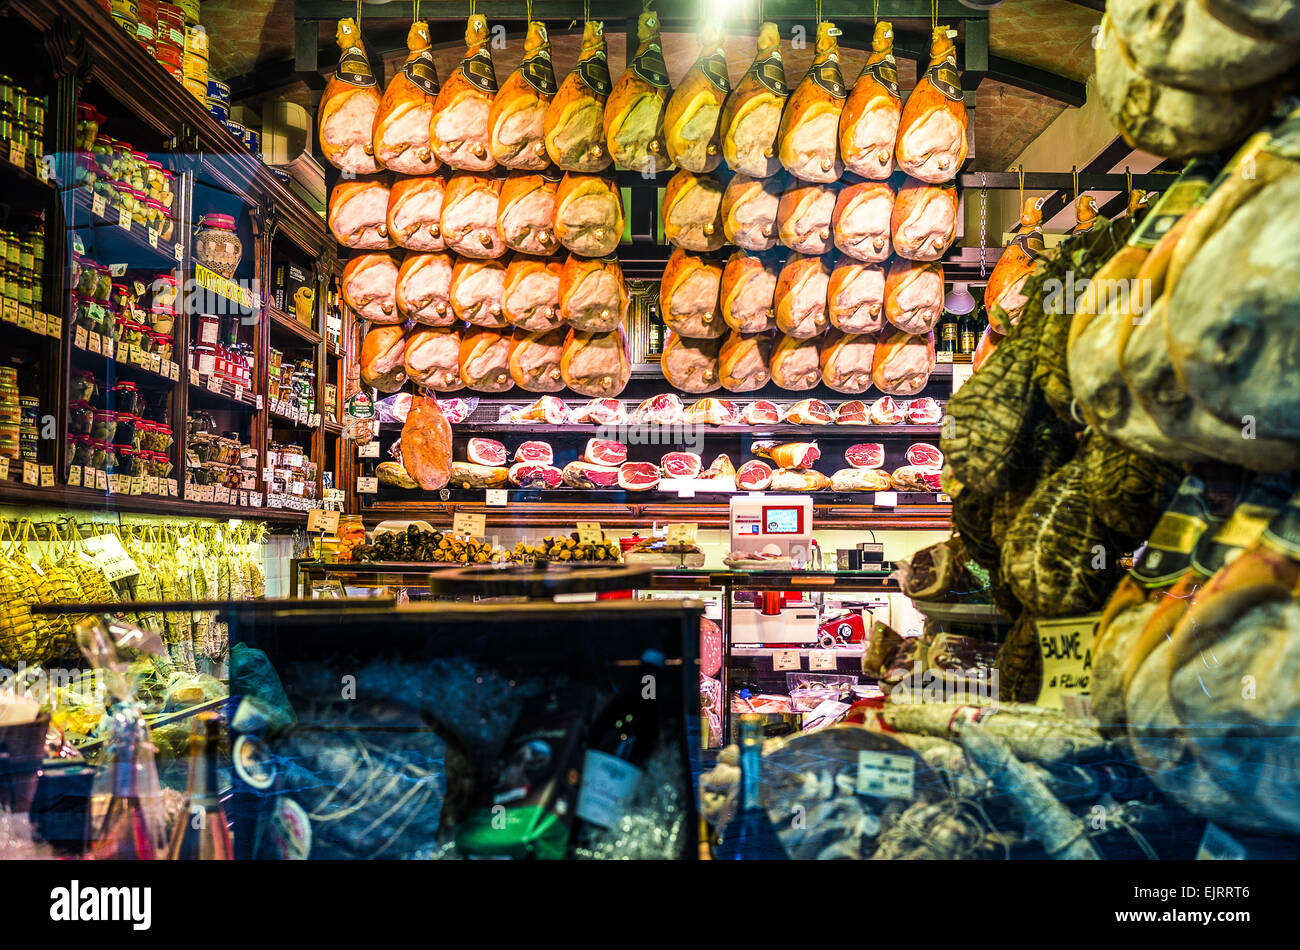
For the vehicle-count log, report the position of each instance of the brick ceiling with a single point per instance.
(1052, 35)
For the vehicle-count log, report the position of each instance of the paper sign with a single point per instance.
(174, 371)
(4, 468)
(194, 378)
(94, 342)
(221, 494)
(25, 318)
(98, 204)
(109, 556)
(53, 326)
(496, 497)
(256, 499)
(589, 533)
(31, 474)
(1066, 647)
(682, 533)
(79, 338)
(821, 660)
(9, 313)
(367, 486)
(886, 774)
(124, 219)
(47, 476)
(886, 499)
(370, 450)
(943, 356)
(101, 480)
(469, 524)
(134, 485)
(239, 393)
(17, 154)
(151, 485)
(178, 250)
(960, 373)
(319, 520)
(172, 489)
(74, 476)
(153, 237)
(259, 401)
(214, 383)
(786, 660)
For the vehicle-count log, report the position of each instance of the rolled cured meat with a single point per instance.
(459, 134)
(401, 128)
(801, 296)
(924, 220)
(692, 212)
(748, 291)
(516, 121)
(358, 214)
(691, 116)
(809, 132)
(931, 143)
(346, 118)
(424, 289)
(526, 212)
(574, 126)
(688, 295)
(751, 116)
(869, 122)
(862, 221)
(634, 111)
(415, 213)
(588, 214)
(593, 294)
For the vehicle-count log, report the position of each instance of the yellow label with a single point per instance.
(1066, 647)
(1176, 532)
(1244, 527)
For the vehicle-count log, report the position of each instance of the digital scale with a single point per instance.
(776, 525)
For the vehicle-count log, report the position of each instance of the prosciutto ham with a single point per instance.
(748, 291)
(460, 131)
(414, 213)
(426, 444)
(1002, 296)
(369, 285)
(751, 115)
(862, 221)
(346, 118)
(530, 299)
(692, 212)
(485, 360)
(749, 211)
(588, 214)
(924, 220)
(469, 215)
(401, 129)
(932, 129)
(535, 360)
(634, 112)
(743, 362)
(574, 133)
(903, 362)
(358, 214)
(433, 358)
(423, 291)
(804, 217)
(846, 361)
(596, 364)
(516, 121)
(869, 123)
(526, 213)
(801, 296)
(914, 295)
(383, 358)
(808, 135)
(476, 290)
(691, 116)
(688, 295)
(593, 294)
(796, 363)
(691, 365)
(855, 296)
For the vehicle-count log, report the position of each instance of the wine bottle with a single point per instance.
(201, 832)
(968, 334)
(750, 836)
(621, 740)
(126, 833)
(947, 341)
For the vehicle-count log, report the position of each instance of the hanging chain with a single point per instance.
(934, 15)
(1074, 171)
(984, 224)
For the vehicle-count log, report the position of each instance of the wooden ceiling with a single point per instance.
(252, 46)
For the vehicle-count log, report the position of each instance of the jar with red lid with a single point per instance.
(162, 291)
(127, 398)
(104, 426)
(162, 319)
(80, 417)
(127, 430)
(203, 358)
(162, 344)
(209, 329)
(81, 386)
(217, 246)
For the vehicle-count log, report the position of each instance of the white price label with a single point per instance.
(174, 370)
(74, 476)
(53, 326)
(155, 363)
(9, 311)
(960, 373)
(94, 342)
(368, 450)
(589, 533)
(117, 270)
(943, 356)
(209, 492)
(25, 318)
(273, 501)
(172, 487)
(256, 499)
(79, 338)
(886, 774)
(47, 476)
(239, 393)
(124, 219)
(469, 524)
(178, 250)
(496, 497)
(153, 237)
(243, 498)
(786, 660)
(214, 383)
(44, 169)
(259, 400)
(151, 485)
(109, 347)
(221, 493)
(109, 556)
(195, 379)
(821, 660)
(31, 474)
(685, 492)
(98, 205)
(135, 484)
(323, 521)
(886, 499)
(368, 486)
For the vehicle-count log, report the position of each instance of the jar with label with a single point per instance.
(163, 288)
(103, 282)
(129, 333)
(162, 319)
(203, 358)
(104, 425)
(161, 218)
(22, 288)
(209, 329)
(217, 246)
(128, 461)
(127, 398)
(83, 451)
(162, 344)
(87, 127)
(127, 433)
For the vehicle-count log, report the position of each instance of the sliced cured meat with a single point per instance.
(469, 475)
(869, 123)
(712, 412)
(664, 409)
(539, 452)
(535, 475)
(754, 475)
(743, 363)
(862, 221)
(912, 478)
(604, 452)
(548, 409)
(455, 410)
(885, 412)
(680, 465)
(788, 454)
(846, 361)
(638, 476)
(581, 474)
(720, 470)
(852, 413)
(810, 412)
(690, 365)
(924, 455)
(788, 479)
(601, 412)
(486, 452)
(865, 455)
(861, 479)
(924, 412)
(761, 412)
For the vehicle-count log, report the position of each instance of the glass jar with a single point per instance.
(163, 292)
(128, 461)
(83, 453)
(203, 358)
(103, 282)
(23, 288)
(129, 333)
(81, 386)
(217, 246)
(162, 344)
(127, 399)
(204, 446)
(200, 420)
(13, 250)
(81, 275)
(209, 329)
(122, 297)
(104, 426)
(80, 417)
(136, 205)
(162, 319)
(127, 430)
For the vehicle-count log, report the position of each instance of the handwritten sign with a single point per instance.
(589, 533)
(786, 660)
(682, 533)
(109, 556)
(319, 520)
(469, 524)
(496, 497)
(821, 660)
(367, 486)
(369, 450)
(1066, 647)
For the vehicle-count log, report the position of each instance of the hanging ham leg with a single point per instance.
(575, 135)
(469, 215)
(855, 296)
(426, 444)
(749, 210)
(460, 131)
(424, 289)
(932, 131)
(358, 214)
(809, 146)
(634, 112)
(401, 130)
(801, 296)
(804, 215)
(531, 298)
(751, 115)
(748, 291)
(914, 295)
(863, 221)
(924, 220)
(415, 213)
(691, 116)
(869, 123)
(692, 211)
(588, 214)
(593, 294)
(1002, 296)
(346, 117)
(517, 119)
(526, 212)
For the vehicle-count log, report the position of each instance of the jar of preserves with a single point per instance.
(127, 430)
(128, 461)
(163, 292)
(103, 282)
(13, 250)
(22, 288)
(81, 386)
(128, 332)
(127, 399)
(217, 246)
(104, 425)
(82, 454)
(7, 91)
(209, 329)
(87, 128)
(162, 319)
(80, 417)
(204, 446)
(162, 344)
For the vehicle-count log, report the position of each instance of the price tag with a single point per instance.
(179, 251)
(174, 370)
(233, 498)
(243, 498)
(943, 357)
(74, 476)
(53, 325)
(785, 660)
(267, 473)
(684, 492)
(368, 486)
(960, 373)
(17, 154)
(94, 342)
(47, 476)
(108, 346)
(886, 499)
(43, 168)
(4, 468)
(259, 400)
(209, 492)
(195, 380)
(98, 205)
(79, 338)
(589, 533)
(469, 524)
(31, 474)
(155, 363)
(101, 480)
(239, 393)
(886, 774)
(136, 485)
(153, 237)
(117, 270)
(221, 494)
(172, 488)
(369, 450)
(1066, 647)
(9, 311)
(124, 219)
(821, 660)
(273, 501)
(320, 520)
(255, 499)
(109, 556)
(682, 533)
(151, 485)
(214, 384)
(25, 318)
(496, 497)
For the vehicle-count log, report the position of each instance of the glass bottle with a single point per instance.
(128, 831)
(750, 835)
(968, 334)
(201, 832)
(947, 339)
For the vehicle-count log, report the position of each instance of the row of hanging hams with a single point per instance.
(587, 122)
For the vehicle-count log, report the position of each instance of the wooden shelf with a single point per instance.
(110, 243)
(282, 321)
(62, 496)
(24, 174)
(227, 393)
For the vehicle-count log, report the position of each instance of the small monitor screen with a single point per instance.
(782, 521)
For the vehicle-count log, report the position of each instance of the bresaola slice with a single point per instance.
(537, 452)
(535, 474)
(638, 476)
(754, 475)
(885, 412)
(486, 452)
(604, 452)
(924, 455)
(585, 475)
(761, 412)
(865, 455)
(924, 412)
(680, 465)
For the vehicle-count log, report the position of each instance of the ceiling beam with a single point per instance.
(1032, 79)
